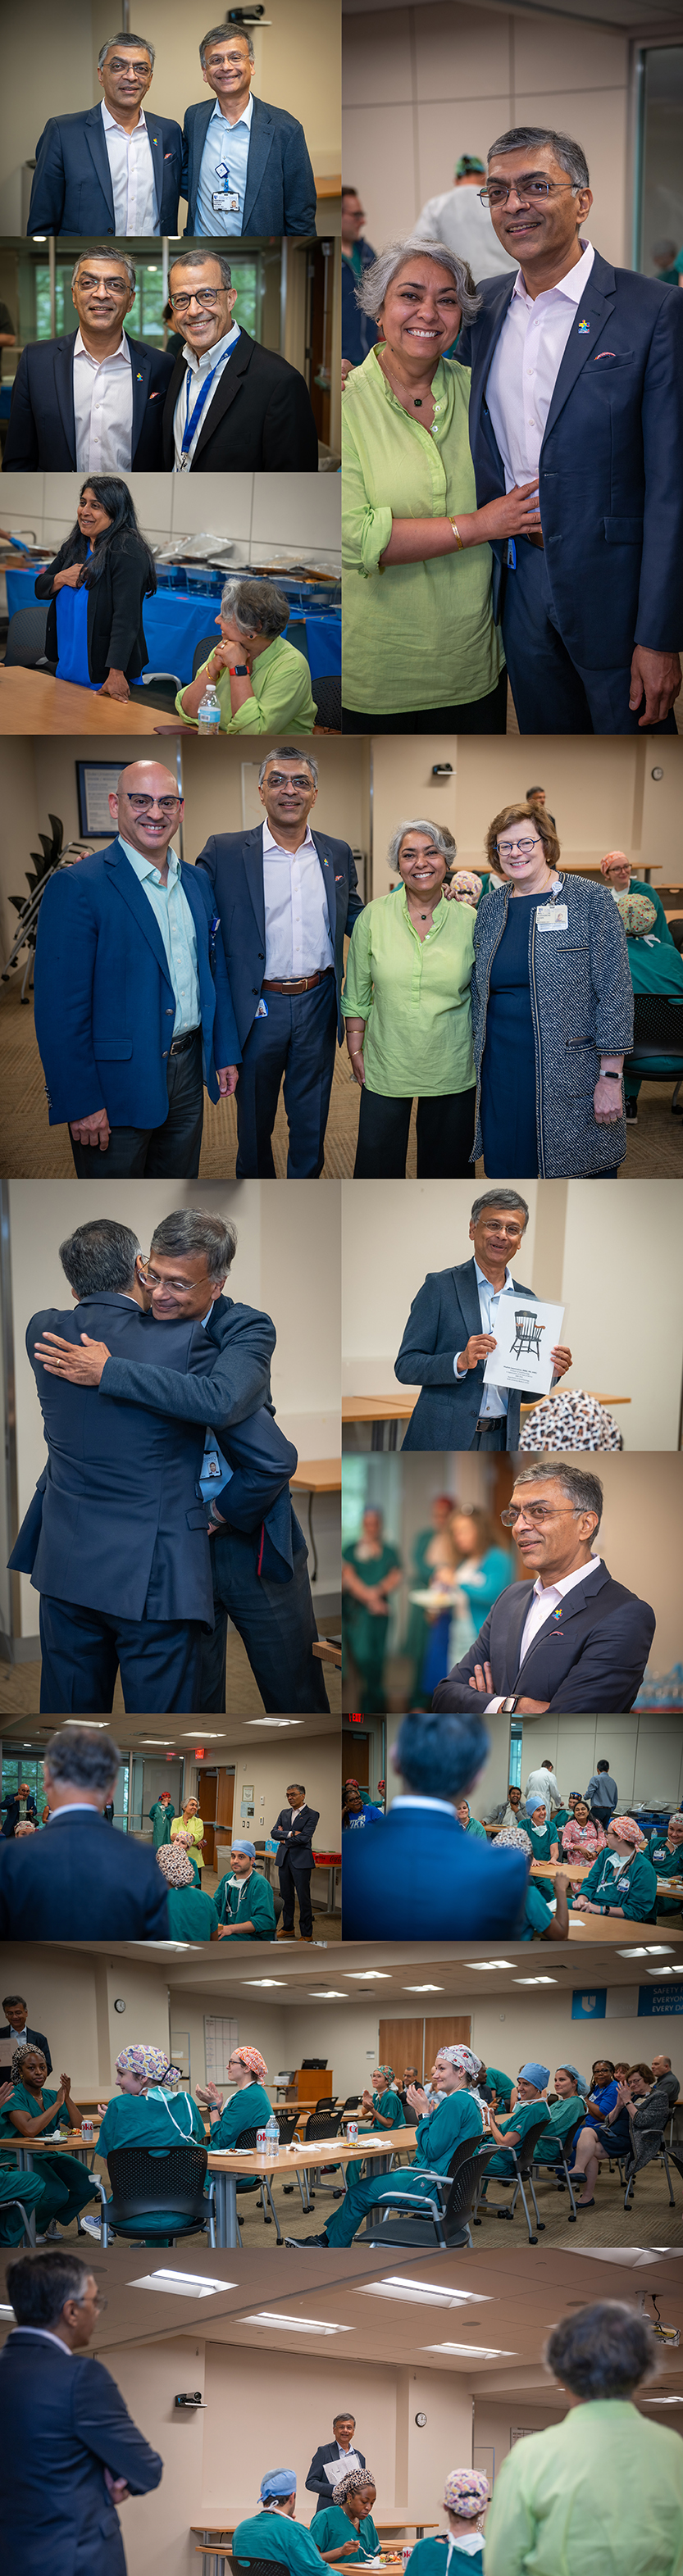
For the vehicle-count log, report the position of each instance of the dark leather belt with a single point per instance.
(179, 1046)
(490, 1421)
(533, 537)
(298, 983)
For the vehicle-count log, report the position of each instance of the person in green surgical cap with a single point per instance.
(271, 2532)
(604, 2487)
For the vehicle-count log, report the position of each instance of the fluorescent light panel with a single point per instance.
(425, 2293)
(483, 1966)
(180, 2282)
(472, 2351)
(295, 2325)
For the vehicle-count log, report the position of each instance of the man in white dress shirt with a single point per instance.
(575, 1639)
(93, 399)
(111, 168)
(232, 406)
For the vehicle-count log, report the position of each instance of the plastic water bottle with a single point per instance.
(272, 2137)
(208, 712)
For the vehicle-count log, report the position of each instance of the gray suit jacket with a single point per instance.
(442, 1316)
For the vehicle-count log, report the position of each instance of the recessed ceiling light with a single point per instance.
(7, 2312)
(423, 1990)
(483, 1965)
(295, 2325)
(469, 2351)
(660, 1972)
(394, 2286)
(190, 1736)
(180, 2282)
(359, 1976)
(273, 1721)
(643, 2401)
(264, 1981)
(94, 1724)
(657, 1949)
(160, 1742)
(535, 1981)
(328, 1995)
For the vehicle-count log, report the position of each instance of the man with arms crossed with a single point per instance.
(575, 1639)
(75, 2451)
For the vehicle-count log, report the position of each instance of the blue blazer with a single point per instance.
(592, 1655)
(72, 190)
(442, 1316)
(234, 865)
(234, 1398)
(104, 1002)
(65, 2422)
(610, 486)
(300, 1851)
(280, 192)
(98, 1885)
(42, 424)
(416, 1876)
(119, 1511)
(317, 2481)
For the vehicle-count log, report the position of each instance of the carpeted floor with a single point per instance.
(20, 1684)
(31, 1150)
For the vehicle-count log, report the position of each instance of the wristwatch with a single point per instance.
(507, 1707)
(607, 1076)
(238, 670)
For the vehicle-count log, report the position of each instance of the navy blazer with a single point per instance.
(611, 491)
(42, 424)
(591, 1656)
(442, 1316)
(64, 2422)
(104, 1001)
(35, 2039)
(119, 1512)
(415, 1876)
(280, 192)
(260, 419)
(234, 866)
(72, 190)
(16, 1815)
(97, 1883)
(321, 2486)
(303, 1825)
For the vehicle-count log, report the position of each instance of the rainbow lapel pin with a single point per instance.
(584, 326)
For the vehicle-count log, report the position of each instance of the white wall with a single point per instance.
(317, 1762)
(301, 516)
(600, 790)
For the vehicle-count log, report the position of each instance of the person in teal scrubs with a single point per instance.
(622, 1880)
(563, 2116)
(442, 2126)
(192, 1915)
(665, 1851)
(32, 2111)
(537, 1920)
(161, 1819)
(466, 2495)
(383, 2109)
(272, 2532)
(11, 2182)
(470, 1824)
(348, 2517)
(245, 1903)
(543, 1839)
(249, 2106)
(510, 2132)
(502, 2085)
(152, 2112)
(603, 2487)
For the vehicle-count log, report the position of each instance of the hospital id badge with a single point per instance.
(223, 203)
(551, 916)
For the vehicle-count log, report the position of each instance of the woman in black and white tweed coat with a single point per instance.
(552, 1012)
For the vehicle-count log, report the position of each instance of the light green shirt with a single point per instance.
(416, 635)
(600, 2494)
(414, 995)
(174, 919)
(282, 702)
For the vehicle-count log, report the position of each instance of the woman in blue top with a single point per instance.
(622, 1880)
(96, 585)
(466, 2495)
(152, 2112)
(481, 1571)
(29, 2114)
(606, 2130)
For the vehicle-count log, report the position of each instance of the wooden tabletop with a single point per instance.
(318, 1476)
(31, 702)
(380, 1408)
(393, 2520)
(326, 1652)
(614, 1927)
(318, 2151)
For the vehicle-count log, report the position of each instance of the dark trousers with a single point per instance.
(295, 1880)
(276, 1622)
(297, 1040)
(493, 1437)
(168, 1153)
(552, 693)
(445, 1136)
(480, 715)
(82, 1650)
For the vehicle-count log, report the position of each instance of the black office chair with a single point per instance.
(26, 637)
(560, 2174)
(522, 2157)
(657, 1051)
(440, 2217)
(206, 645)
(258, 2567)
(328, 701)
(246, 2182)
(631, 2166)
(324, 2124)
(141, 2183)
(28, 2218)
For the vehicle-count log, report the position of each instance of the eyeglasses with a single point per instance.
(505, 848)
(206, 295)
(114, 285)
(536, 1512)
(280, 778)
(181, 1287)
(527, 191)
(120, 63)
(146, 805)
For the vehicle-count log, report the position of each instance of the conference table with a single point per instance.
(233, 2166)
(176, 621)
(214, 2540)
(387, 1412)
(33, 702)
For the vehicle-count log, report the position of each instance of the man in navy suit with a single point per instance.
(342, 2450)
(285, 897)
(132, 1003)
(95, 398)
(293, 1831)
(451, 1333)
(245, 166)
(415, 1875)
(110, 169)
(577, 378)
(97, 1883)
(575, 1639)
(74, 2450)
(16, 2028)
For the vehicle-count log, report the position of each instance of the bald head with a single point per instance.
(146, 809)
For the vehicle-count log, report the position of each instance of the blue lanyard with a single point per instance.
(192, 418)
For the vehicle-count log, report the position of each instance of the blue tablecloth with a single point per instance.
(176, 620)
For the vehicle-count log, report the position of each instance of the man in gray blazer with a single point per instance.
(451, 1329)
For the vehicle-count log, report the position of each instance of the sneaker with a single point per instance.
(300, 2242)
(91, 2227)
(631, 1107)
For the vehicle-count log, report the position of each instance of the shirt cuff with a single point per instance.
(456, 1371)
(491, 1705)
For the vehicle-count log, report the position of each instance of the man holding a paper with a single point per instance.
(477, 1340)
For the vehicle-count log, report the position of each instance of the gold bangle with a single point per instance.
(458, 539)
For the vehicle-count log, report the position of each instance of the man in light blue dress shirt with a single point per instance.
(451, 1331)
(246, 168)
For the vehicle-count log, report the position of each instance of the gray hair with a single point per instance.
(583, 1491)
(525, 138)
(376, 280)
(217, 36)
(191, 1230)
(443, 841)
(77, 1754)
(503, 1199)
(198, 258)
(124, 40)
(605, 2351)
(288, 751)
(99, 1258)
(257, 606)
(100, 252)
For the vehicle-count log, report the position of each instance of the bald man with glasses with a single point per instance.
(573, 1638)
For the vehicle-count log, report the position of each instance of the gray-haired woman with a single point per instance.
(420, 648)
(262, 683)
(407, 1006)
(604, 2487)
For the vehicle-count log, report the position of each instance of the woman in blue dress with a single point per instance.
(552, 1005)
(96, 585)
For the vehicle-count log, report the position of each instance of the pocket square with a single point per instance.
(155, 395)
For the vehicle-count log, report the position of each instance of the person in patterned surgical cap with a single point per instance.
(248, 2107)
(151, 2111)
(622, 1880)
(452, 2119)
(465, 2497)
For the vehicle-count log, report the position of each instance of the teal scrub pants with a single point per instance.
(31, 2190)
(66, 2187)
(341, 2229)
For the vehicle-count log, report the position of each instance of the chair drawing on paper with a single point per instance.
(527, 1334)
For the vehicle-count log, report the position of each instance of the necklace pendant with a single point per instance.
(417, 402)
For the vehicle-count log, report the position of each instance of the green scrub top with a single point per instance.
(433, 2557)
(192, 1916)
(161, 1819)
(389, 2102)
(563, 2118)
(523, 2117)
(422, 634)
(276, 2535)
(600, 2494)
(333, 2529)
(474, 1827)
(458, 2116)
(34, 2103)
(150, 2120)
(500, 2083)
(414, 996)
(667, 1864)
(248, 2109)
(282, 701)
(628, 1883)
(537, 1914)
(251, 1897)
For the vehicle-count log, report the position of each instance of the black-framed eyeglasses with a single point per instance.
(206, 295)
(280, 778)
(536, 1512)
(530, 191)
(504, 849)
(143, 806)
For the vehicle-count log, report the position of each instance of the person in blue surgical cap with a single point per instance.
(272, 2532)
(244, 1900)
(510, 2132)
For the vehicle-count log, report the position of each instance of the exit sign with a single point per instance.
(199, 1752)
(356, 1717)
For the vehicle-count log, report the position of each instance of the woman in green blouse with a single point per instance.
(420, 651)
(407, 1006)
(346, 2519)
(262, 683)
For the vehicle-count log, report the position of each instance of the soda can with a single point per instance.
(261, 2142)
(352, 2132)
(87, 2131)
